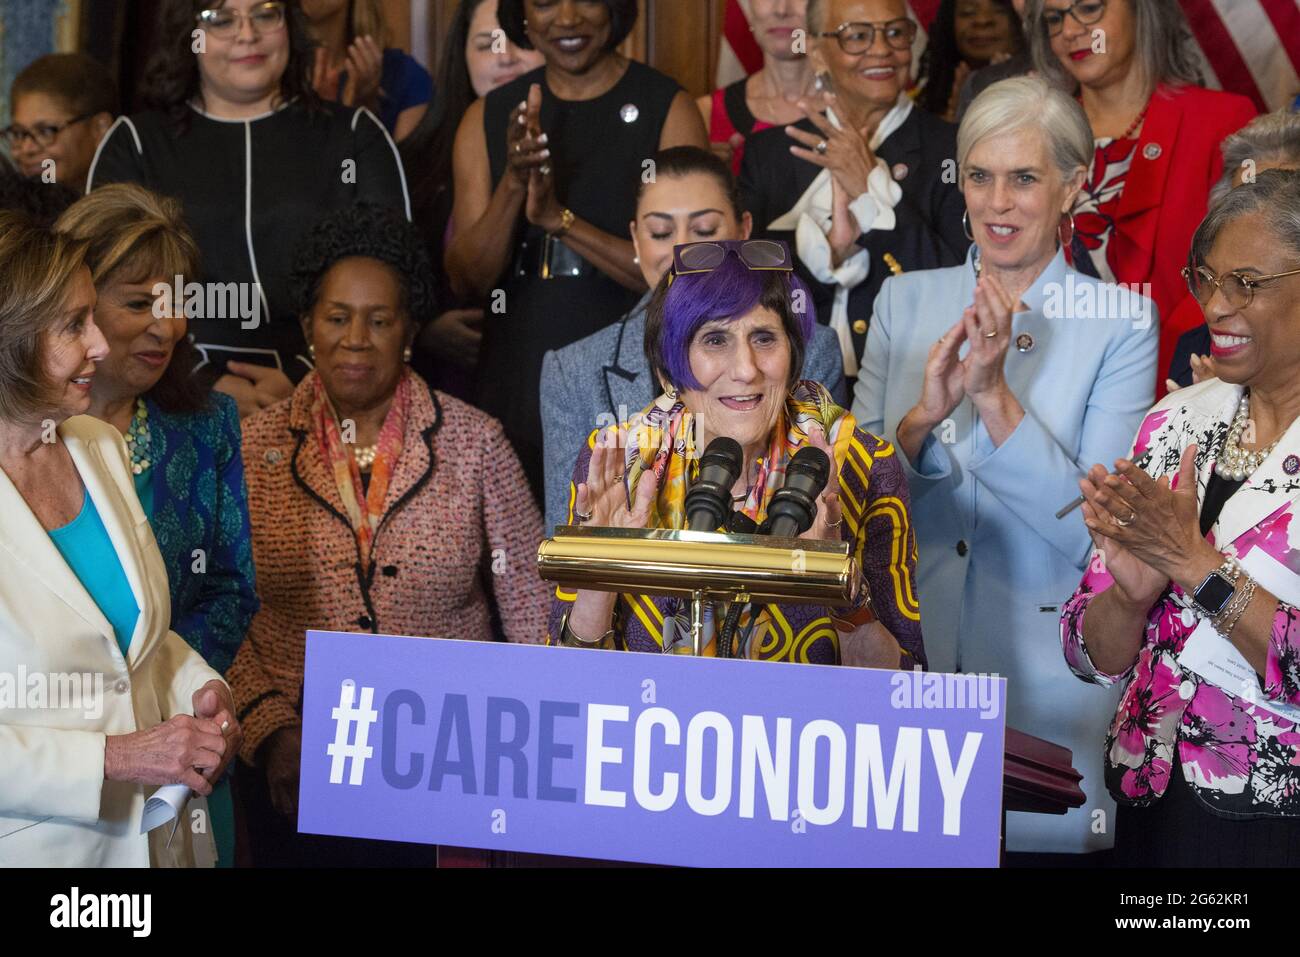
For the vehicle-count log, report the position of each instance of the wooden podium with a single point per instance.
(1037, 776)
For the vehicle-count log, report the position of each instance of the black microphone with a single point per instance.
(708, 503)
(794, 507)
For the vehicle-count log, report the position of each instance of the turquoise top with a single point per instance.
(144, 491)
(86, 547)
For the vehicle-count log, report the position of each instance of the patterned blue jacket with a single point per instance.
(200, 503)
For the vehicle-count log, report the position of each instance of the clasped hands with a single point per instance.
(190, 750)
(1147, 531)
(528, 161)
(986, 326)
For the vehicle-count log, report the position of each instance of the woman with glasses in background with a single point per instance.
(238, 135)
(62, 106)
(868, 180)
(1133, 65)
(726, 334)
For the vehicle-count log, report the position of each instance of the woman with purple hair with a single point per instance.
(726, 334)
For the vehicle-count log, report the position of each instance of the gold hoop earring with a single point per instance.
(965, 225)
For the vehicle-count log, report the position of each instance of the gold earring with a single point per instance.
(311, 352)
(406, 354)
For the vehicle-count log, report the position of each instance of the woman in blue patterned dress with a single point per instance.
(184, 442)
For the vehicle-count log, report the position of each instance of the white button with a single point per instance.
(120, 687)
(1186, 690)
(1188, 617)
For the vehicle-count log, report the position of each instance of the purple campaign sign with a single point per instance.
(654, 758)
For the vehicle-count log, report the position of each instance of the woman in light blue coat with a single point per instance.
(1002, 381)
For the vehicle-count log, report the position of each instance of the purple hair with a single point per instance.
(677, 312)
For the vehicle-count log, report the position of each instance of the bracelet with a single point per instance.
(1237, 607)
(1229, 569)
(567, 219)
(570, 639)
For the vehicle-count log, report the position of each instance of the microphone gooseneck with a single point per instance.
(708, 503)
(794, 507)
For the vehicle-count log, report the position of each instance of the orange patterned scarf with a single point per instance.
(363, 512)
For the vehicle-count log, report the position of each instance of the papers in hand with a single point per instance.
(163, 805)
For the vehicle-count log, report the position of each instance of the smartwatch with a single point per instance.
(1213, 594)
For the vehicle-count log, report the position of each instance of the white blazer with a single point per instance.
(56, 809)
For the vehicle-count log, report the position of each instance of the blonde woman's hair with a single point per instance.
(1025, 102)
(131, 234)
(38, 267)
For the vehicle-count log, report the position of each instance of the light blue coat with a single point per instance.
(995, 564)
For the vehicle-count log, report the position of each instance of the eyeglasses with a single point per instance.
(226, 24)
(856, 38)
(1085, 13)
(42, 134)
(759, 254)
(1237, 288)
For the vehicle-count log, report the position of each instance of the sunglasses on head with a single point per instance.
(758, 254)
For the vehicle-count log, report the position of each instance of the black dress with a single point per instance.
(598, 148)
(250, 191)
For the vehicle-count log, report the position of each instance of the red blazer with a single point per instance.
(1167, 193)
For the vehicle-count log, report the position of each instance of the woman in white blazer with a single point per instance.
(1000, 391)
(99, 701)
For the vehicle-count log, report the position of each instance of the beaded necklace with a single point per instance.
(137, 438)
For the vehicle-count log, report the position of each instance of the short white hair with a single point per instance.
(1026, 102)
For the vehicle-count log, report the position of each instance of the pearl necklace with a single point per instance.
(1235, 463)
(365, 456)
(137, 438)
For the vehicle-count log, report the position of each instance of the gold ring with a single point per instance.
(991, 335)
(1126, 522)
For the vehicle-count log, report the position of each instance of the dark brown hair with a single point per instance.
(172, 77)
(78, 80)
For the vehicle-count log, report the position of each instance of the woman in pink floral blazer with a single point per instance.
(1193, 595)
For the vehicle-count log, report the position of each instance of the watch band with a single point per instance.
(1229, 573)
(567, 219)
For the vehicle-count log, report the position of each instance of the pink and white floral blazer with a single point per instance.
(1241, 758)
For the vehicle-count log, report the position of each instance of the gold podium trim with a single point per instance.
(691, 564)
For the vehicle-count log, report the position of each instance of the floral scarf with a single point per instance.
(663, 442)
(665, 445)
(364, 512)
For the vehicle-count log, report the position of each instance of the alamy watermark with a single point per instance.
(52, 690)
(210, 300)
(931, 689)
(1088, 299)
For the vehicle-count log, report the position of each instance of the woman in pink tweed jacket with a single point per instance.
(376, 504)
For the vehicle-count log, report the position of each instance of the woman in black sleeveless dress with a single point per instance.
(546, 174)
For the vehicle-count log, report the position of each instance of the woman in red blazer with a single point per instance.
(1134, 68)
